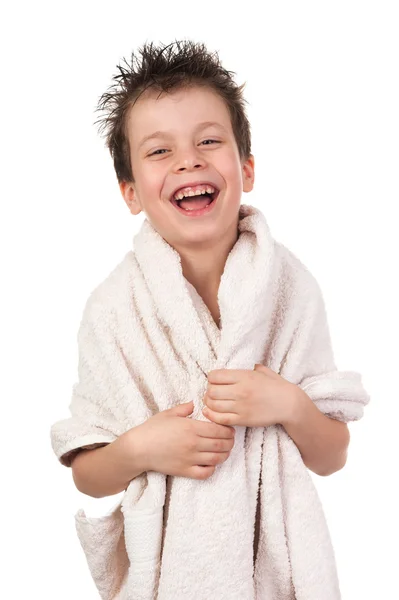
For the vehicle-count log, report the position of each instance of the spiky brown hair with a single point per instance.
(165, 68)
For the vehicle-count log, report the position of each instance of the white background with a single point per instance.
(322, 87)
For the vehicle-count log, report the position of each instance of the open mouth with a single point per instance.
(209, 197)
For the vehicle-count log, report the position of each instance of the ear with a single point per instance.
(248, 173)
(130, 196)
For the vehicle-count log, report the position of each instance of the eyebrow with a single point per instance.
(165, 134)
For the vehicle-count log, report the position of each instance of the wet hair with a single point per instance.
(167, 68)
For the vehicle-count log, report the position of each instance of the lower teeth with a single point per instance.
(190, 209)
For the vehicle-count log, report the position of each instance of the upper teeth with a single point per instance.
(195, 191)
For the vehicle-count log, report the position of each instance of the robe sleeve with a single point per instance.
(310, 362)
(92, 423)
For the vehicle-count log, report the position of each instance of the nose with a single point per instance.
(189, 159)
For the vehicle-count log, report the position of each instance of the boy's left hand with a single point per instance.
(257, 398)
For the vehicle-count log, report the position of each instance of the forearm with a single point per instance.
(323, 442)
(108, 470)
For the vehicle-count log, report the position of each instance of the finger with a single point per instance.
(223, 392)
(213, 430)
(221, 406)
(214, 445)
(266, 371)
(225, 376)
(221, 418)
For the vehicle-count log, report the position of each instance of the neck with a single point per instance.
(204, 269)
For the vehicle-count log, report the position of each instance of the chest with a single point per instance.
(211, 302)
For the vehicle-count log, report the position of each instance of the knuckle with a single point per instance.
(217, 445)
(191, 445)
(245, 394)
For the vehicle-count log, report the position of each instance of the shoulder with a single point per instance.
(298, 281)
(104, 300)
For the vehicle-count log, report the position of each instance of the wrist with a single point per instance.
(293, 405)
(134, 442)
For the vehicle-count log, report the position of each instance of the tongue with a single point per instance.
(196, 203)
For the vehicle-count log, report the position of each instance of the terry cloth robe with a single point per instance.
(146, 343)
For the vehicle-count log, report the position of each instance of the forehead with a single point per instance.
(174, 112)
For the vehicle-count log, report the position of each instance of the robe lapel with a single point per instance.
(243, 306)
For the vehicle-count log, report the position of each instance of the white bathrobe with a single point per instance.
(146, 343)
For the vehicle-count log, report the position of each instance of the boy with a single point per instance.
(180, 141)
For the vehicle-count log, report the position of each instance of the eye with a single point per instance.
(160, 150)
(215, 141)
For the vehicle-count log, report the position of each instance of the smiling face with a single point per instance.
(192, 140)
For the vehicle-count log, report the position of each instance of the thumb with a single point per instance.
(262, 369)
(266, 371)
(182, 410)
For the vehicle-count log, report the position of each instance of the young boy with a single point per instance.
(179, 137)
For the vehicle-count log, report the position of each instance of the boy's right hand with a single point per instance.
(175, 445)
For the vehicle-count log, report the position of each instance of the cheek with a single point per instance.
(152, 180)
(231, 166)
